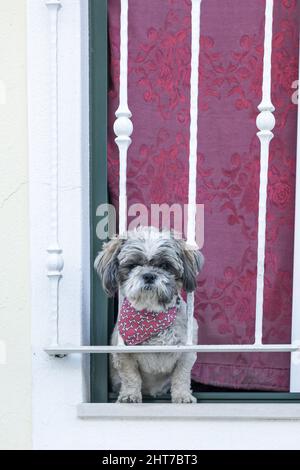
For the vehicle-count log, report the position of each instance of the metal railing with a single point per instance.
(123, 129)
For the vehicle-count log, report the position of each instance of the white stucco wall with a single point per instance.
(15, 371)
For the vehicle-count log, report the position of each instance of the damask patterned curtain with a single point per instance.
(231, 54)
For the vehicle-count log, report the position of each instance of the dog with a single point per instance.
(151, 267)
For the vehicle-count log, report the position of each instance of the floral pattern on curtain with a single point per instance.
(230, 81)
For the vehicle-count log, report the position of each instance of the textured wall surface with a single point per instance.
(15, 373)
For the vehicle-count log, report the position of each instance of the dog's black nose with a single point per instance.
(149, 278)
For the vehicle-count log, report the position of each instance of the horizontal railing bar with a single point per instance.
(63, 350)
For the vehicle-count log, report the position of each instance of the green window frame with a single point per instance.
(98, 188)
(102, 308)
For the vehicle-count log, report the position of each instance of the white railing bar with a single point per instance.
(123, 127)
(265, 123)
(295, 357)
(190, 303)
(191, 222)
(167, 349)
(195, 50)
(55, 262)
(123, 89)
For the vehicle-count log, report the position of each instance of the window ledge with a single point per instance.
(201, 411)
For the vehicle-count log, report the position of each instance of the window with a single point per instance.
(102, 308)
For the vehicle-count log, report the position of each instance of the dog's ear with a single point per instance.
(106, 264)
(193, 261)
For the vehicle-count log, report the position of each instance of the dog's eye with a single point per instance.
(131, 266)
(164, 266)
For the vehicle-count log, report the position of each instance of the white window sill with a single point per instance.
(201, 411)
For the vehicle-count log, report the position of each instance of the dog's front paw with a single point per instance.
(183, 397)
(127, 397)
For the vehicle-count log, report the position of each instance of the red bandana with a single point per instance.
(136, 326)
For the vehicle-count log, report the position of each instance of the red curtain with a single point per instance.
(230, 83)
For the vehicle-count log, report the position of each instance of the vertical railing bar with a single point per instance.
(123, 126)
(295, 333)
(191, 222)
(55, 259)
(265, 123)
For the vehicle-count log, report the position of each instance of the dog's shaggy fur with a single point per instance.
(151, 268)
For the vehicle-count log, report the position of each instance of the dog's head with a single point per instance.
(150, 266)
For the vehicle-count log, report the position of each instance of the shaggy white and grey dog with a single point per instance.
(151, 268)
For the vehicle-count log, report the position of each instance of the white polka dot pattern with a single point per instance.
(136, 326)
